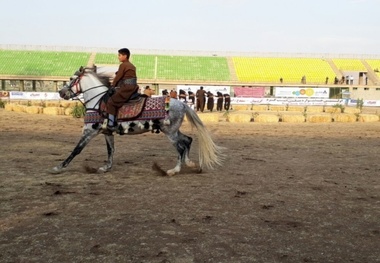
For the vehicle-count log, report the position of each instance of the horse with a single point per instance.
(93, 86)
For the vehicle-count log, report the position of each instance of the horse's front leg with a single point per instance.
(87, 135)
(110, 150)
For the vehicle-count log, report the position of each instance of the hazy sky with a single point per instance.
(310, 26)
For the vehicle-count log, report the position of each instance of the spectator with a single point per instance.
(173, 94)
(303, 79)
(210, 101)
(219, 102)
(227, 101)
(327, 80)
(200, 99)
(182, 95)
(148, 91)
(191, 96)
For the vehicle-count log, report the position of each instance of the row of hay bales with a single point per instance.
(236, 117)
(255, 113)
(42, 107)
(291, 114)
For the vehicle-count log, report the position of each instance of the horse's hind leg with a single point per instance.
(182, 143)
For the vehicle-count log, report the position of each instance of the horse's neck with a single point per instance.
(93, 90)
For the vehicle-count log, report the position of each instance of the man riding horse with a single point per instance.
(125, 84)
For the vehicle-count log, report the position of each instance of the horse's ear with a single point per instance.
(95, 68)
(81, 69)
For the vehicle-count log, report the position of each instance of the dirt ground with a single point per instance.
(286, 193)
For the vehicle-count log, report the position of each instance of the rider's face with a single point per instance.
(122, 57)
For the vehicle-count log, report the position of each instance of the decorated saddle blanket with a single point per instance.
(142, 108)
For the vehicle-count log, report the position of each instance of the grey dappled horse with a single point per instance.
(87, 82)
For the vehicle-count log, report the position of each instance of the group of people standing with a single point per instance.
(202, 99)
(202, 95)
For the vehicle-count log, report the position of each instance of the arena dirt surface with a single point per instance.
(286, 193)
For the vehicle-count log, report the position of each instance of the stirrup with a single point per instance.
(105, 124)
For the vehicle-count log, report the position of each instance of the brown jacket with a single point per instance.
(126, 71)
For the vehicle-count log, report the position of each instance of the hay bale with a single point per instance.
(333, 110)
(259, 107)
(267, 118)
(293, 118)
(277, 108)
(39, 103)
(345, 117)
(19, 108)
(68, 103)
(8, 107)
(209, 117)
(33, 109)
(241, 107)
(68, 111)
(52, 103)
(239, 118)
(314, 109)
(351, 110)
(53, 111)
(296, 108)
(319, 118)
(368, 118)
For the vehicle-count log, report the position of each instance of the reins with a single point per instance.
(76, 94)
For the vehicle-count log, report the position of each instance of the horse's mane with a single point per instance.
(103, 77)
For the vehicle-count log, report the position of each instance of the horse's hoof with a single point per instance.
(103, 170)
(171, 173)
(55, 170)
(191, 164)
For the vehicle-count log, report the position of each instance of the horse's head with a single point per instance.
(73, 88)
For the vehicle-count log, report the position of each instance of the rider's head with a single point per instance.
(124, 54)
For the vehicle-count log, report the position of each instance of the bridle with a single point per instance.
(75, 88)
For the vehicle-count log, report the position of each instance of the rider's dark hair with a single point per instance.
(125, 51)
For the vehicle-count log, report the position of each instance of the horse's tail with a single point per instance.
(210, 154)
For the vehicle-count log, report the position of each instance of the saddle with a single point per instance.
(139, 107)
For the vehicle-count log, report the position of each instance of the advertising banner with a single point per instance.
(247, 92)
(22, 95)
(296, 92)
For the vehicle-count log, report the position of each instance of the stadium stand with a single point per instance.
(174, 67)
(349, 65)
(375, 65)
(158, 68)
(290, 70)
(193, 68)
(41, 63)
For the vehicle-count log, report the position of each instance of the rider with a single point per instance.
(125, 84)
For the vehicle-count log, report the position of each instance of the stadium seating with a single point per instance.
(174, 67)
(145, 63)
(349, 65)
(192, 68)
(181, 68)
(41, 63)
(291, 70)
(375, 65)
